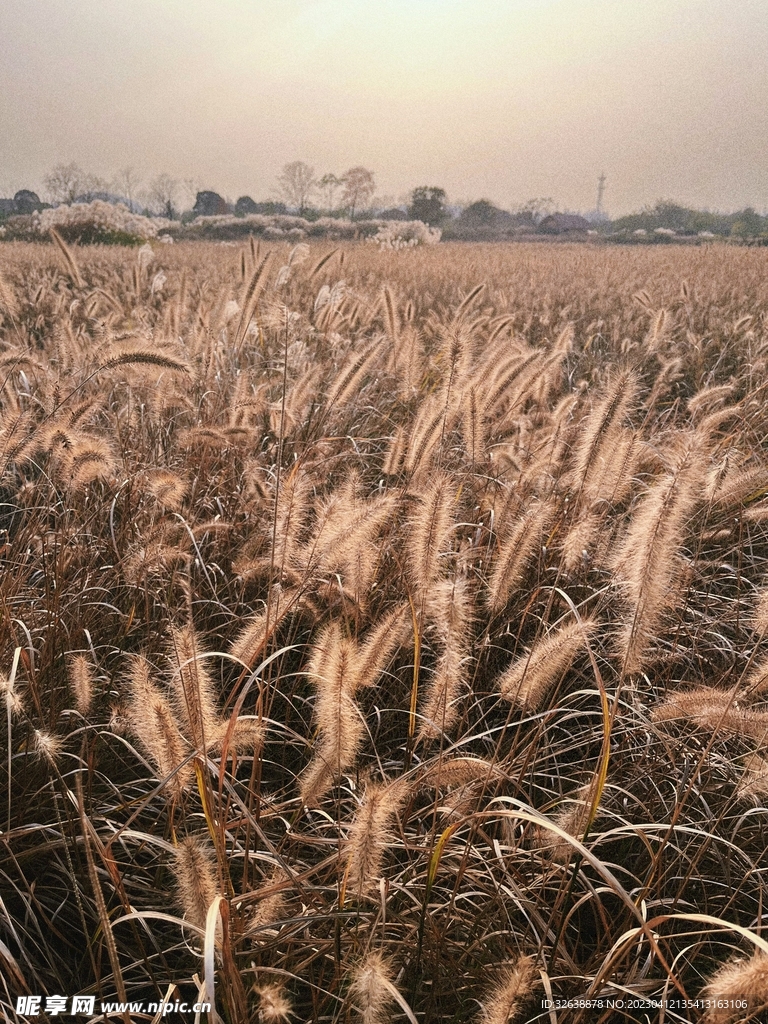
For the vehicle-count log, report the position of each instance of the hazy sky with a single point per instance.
(502, 99)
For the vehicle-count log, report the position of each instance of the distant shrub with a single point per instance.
(405, 235)
(97, 222)
(291, 228)
(19, 228)
(484, 222)
(683, 220)
(245, 206)
(209, 203)
(394, 213)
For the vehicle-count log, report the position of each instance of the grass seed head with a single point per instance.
(371, 988)
(737, 981)
(505, 1002)
(48, 746)
(12, 699)
(274, 1003)
(81, 681)
(196, 878)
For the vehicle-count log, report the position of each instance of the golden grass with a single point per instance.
(407, 608)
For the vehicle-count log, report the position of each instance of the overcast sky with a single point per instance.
(501, 99)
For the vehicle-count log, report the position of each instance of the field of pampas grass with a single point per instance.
(384, 634)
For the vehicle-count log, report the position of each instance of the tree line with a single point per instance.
(300, 190)
(296, 186)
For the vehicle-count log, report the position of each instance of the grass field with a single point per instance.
(384, 635)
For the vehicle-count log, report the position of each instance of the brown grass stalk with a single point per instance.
(521, 543)
(195, 871)
(529, 680)
(736, 981)
(152, 719)
(371, 988)
(81, 681)
(505, 1001)
(648, 562)
(193, 687)
(369, 833)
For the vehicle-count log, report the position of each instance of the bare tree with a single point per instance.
(68, 183)
(162, 194)
(329, 186)
(537, 209)
(359, 186)
(127, 183)
(65, 183)
(296, 183)
(92, 186)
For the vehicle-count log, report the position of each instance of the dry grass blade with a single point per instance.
(72, 267)
(98, 895)
(573, 820)
(251, 298)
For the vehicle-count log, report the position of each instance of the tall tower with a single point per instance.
(600, 191)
